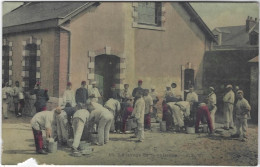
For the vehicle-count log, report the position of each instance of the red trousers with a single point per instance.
(147, 121)
(38, 139)
(203, 111)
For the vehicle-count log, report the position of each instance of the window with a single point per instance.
(5, 64)
(149, 13)
(30, 66)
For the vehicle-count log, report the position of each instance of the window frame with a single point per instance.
(143, 25)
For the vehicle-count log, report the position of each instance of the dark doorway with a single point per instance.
(188, 78)
(106, 69)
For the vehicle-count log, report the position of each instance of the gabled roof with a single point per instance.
(197, 19)
(39, 15)
(235, 36)
(39, 11)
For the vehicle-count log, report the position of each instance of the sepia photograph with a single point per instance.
(130, 83)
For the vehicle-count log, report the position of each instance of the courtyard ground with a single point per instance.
(159, 148)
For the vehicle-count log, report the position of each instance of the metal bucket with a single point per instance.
(94, 137)
(163, 126)
(70, 142)
(205, 129)
(83, 145)
(128, 125)
(52, 146)
(190, 130)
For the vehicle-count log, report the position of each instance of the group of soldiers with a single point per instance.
(192, 111)
(83, 113)
(16, 96)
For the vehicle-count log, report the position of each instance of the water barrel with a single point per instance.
(52, 146)
(163, 126)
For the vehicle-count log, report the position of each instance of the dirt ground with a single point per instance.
(159, 148)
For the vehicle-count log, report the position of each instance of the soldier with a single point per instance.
(139, 88)
(103, 118)
(41, 97)
(148, 109)
(18, 99)
(114, 107)
(138, 114)
(125, 94)
(242, 109)
(93, 93)
(229, 99)
(69, 97)
(7, 93)
(82, 94)
(179, 110)
(80, 118)
(211, 103)
(40, 121)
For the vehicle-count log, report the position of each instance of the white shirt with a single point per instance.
(69, 97)
(17, 90)
(153, 95)
(139, 110)
(83, 114)
(113, 104)
(95, 92)
(148, 103)
(229, 97)
(242, 107)
(43, 120)
(212, 98)
(192, 97)
(100, 112)
(184, 106)
(7, 92)
(125, 94)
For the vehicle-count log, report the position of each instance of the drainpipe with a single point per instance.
(69, 63)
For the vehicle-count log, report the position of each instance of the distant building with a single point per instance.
(111, 42)
(228, 61)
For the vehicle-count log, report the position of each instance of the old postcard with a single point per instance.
(130, 83)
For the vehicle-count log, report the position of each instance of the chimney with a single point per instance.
(250, 23)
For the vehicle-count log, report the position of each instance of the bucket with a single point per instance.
(163, 126)
(128, 125)
(133, 123)
(52, 146)
(87, 151)
(205, 129)
(190, 130)
(70, 142)
(83, 145)
(94, 137)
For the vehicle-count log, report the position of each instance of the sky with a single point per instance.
(214, 14)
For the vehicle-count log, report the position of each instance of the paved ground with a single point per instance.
(158, 149)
